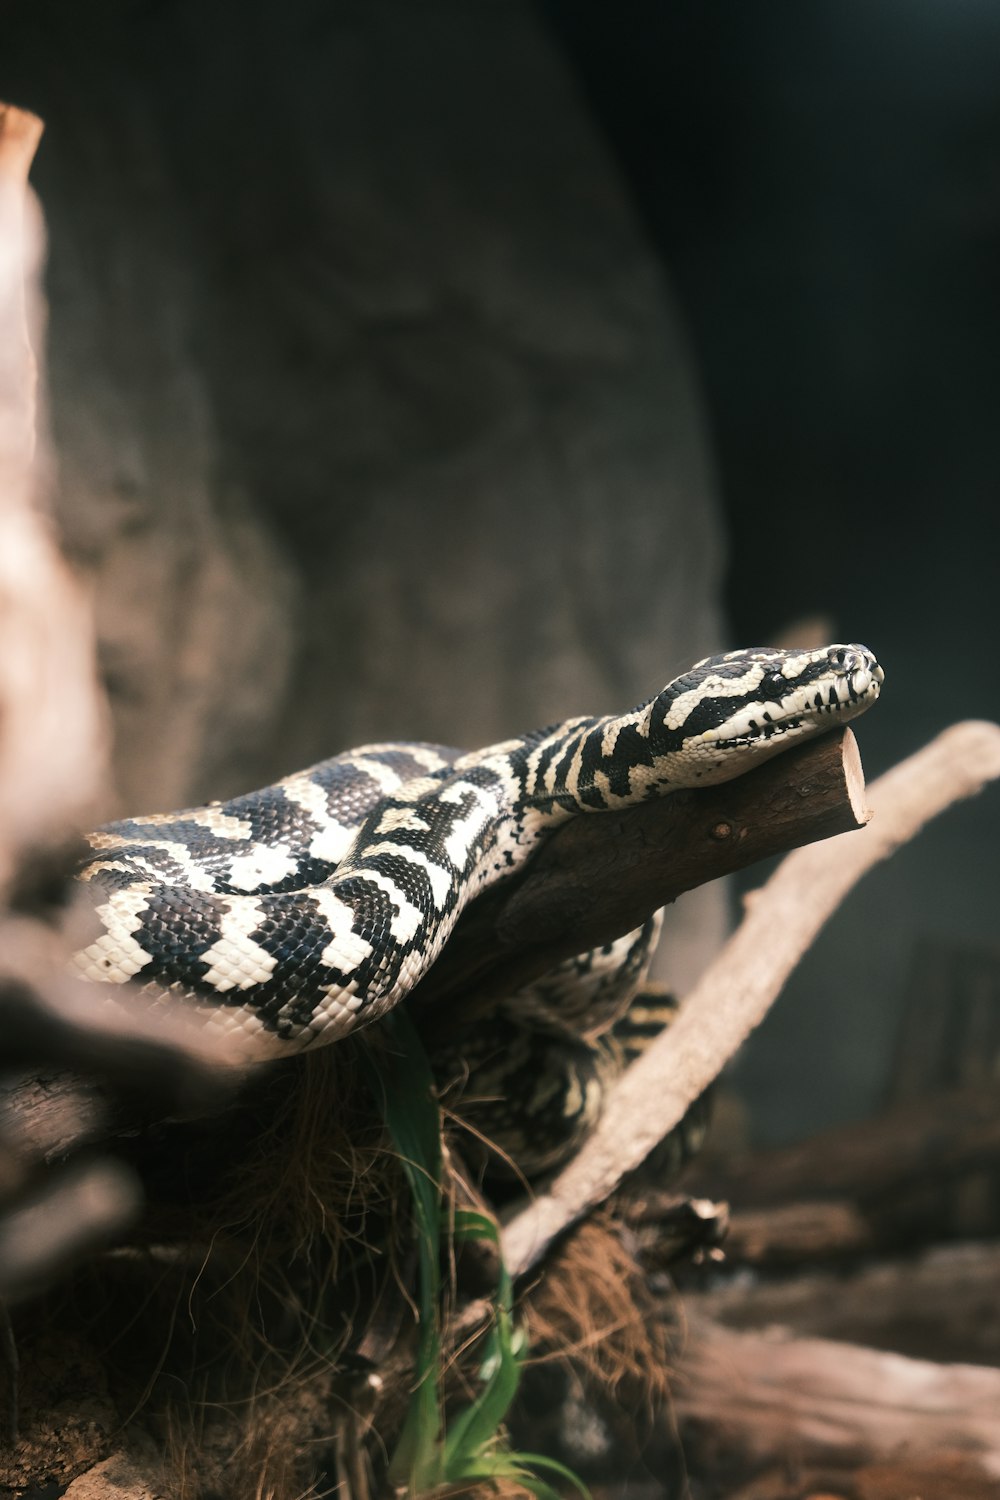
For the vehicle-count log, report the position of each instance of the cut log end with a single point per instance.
(854, 779)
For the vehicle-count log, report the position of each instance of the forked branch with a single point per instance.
(739, 987)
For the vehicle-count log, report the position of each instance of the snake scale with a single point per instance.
(291, 916)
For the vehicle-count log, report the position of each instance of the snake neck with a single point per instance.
(591, 764)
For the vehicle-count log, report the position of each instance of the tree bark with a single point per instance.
(920, 1143)
(52, 768)
(941, 1305)
(52, 740)
(763, 1395)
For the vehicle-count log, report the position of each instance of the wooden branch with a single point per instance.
(940, 1305)
(52, 763)
(765, 1395)
(922, 1143)
(602, 875)
(51, 717)
(20, 133)
(118, 1476)
(797, 1233)
(737, 990)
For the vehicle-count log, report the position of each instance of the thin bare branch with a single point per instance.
(737, 990)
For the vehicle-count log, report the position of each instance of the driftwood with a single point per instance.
(923, 1143)
(52, 739)
(941, 1304)
(737, 990)
(51, 728)
(52, 768)
(763, 1396)
(797, 1233)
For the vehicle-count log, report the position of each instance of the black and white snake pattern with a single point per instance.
(294, 915)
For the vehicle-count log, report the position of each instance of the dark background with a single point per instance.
(822, 180)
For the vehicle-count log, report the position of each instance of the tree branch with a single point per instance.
(921, 1143)
(929, 1306)
(52, 766)
(737, 990)
(764, 1394)
(602, 875)
(52, 738)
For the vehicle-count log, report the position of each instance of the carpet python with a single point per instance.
(291, 916)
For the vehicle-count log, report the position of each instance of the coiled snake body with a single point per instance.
(291, 916)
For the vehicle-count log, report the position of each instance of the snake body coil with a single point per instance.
(293, 915)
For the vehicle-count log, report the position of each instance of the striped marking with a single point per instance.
(441, 881)
(713, 687)
(262, 866)
(116, 956)
(234, 960)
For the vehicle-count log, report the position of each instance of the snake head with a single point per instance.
(729, 712)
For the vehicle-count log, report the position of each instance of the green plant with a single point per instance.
(432, 1458)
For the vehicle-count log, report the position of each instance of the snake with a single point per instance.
(287, 918)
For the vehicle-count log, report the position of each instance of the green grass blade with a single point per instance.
(505, 1465)
(527, 1461)
(426, 1458)
(477, 1426)
(401, 1079)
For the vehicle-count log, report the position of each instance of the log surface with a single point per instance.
(940, 1305)
(763, 1394)
(922, 1143)
(602, 875)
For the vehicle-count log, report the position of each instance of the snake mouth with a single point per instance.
(855, 680)
(748, 705)
(857, 672)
